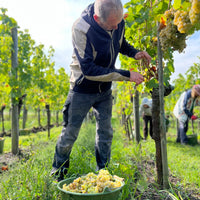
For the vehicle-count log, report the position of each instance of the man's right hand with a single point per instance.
(136, 77)
(194, 117)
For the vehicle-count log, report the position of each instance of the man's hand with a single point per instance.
(143, 55)
(136, 77)
(194, 117)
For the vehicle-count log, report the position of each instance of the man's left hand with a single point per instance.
(143, 55)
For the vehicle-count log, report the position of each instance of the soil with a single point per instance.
(151, 193)
(8, 159)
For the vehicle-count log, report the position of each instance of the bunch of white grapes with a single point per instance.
(169, 14)
(170, 36)
(194, 13)
(94, 183)
(179, 24)
(182, 21)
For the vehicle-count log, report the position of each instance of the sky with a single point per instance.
(49, 22)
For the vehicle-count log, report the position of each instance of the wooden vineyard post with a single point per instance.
(25, 111)
(136, 116)
(2, 117)
(15, 117)
(162, 117)
(57, 118)
(38, 116)
(156, 133)
(48, 119)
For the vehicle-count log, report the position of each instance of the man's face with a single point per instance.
(112, 21)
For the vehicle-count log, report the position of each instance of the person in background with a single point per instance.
(97, 37)
(167, 123)
(146, 113)
(183, 111)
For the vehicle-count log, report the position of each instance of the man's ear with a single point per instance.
(96, 18)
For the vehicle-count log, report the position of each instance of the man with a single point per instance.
(183, 111)
(98, 37)
(146, 113)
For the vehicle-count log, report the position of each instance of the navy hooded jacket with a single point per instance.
(95, 53)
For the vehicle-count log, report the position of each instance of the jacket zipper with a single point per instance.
(111, 57)
(111, 49)
(80, 81)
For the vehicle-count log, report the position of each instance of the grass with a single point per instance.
(183, 160)
(29, 177)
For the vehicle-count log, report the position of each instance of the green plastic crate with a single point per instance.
(106, 195)
(192, 139)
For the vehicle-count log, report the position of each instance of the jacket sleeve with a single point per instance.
(127, 49)
(85, 54)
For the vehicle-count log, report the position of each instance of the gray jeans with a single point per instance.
(75, 109)
(182, 130)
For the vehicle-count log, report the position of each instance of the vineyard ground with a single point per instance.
(8, 159)
(138, 167)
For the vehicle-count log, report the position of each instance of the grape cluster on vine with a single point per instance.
(169, 14)
(148, 72)
(194, 13)
(170, 36)
(179, 24)
(182, 21)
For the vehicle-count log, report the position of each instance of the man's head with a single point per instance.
(108, 13)
(196, 91)
(146, 102)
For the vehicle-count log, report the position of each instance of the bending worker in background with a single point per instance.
(183, 111)
(146, 113)
(98, 37)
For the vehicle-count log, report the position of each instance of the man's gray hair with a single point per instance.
(102, 8)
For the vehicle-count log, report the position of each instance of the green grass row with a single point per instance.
(29, 177)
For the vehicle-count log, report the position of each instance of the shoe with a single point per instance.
(59, 174)
(54, 171)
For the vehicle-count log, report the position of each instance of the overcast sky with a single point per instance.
(49, 22)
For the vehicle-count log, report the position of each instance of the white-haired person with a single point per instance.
(183, 111)
(146, 114)
(97, 38)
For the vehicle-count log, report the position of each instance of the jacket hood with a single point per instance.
(88, 16)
